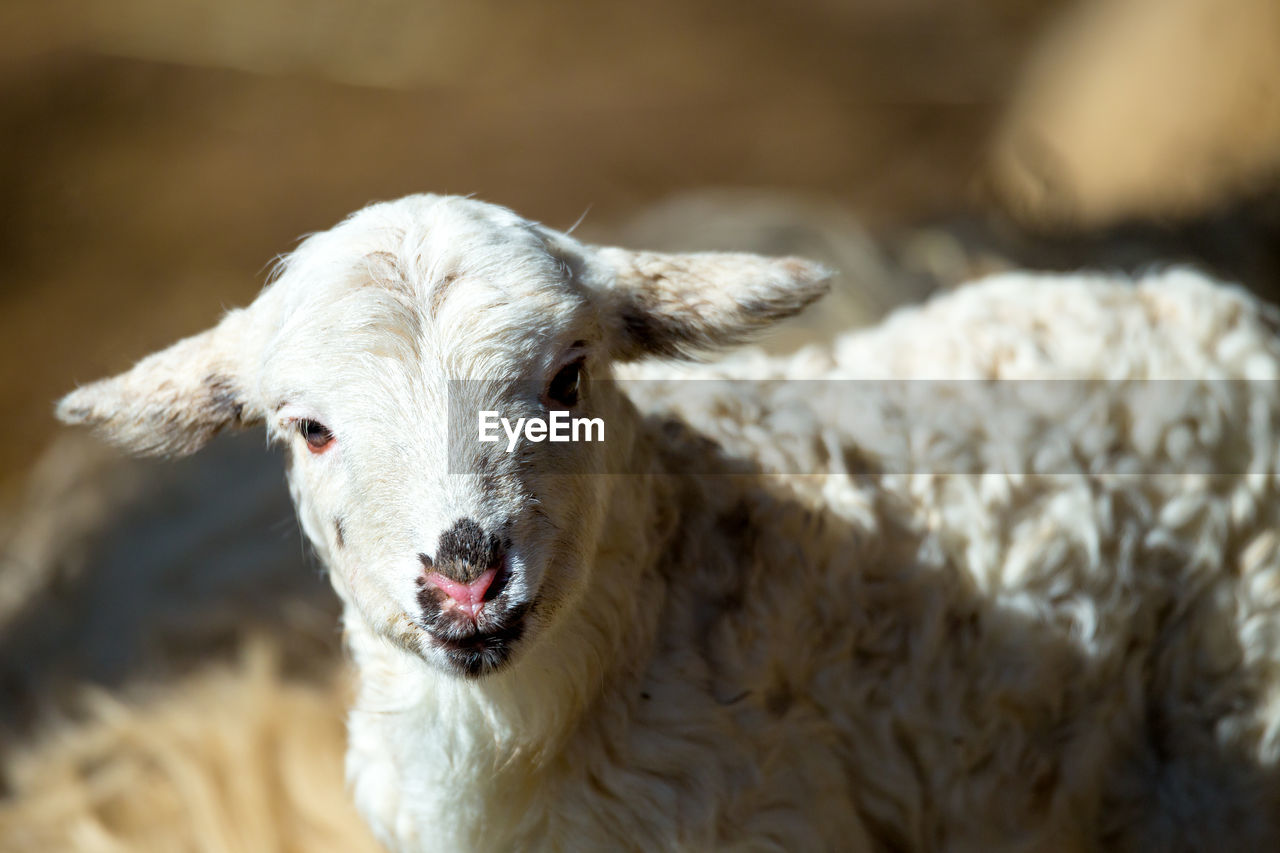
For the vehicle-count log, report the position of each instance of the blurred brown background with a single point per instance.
(158, 153)
(155, 155)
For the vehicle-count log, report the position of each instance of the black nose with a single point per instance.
(465, 552)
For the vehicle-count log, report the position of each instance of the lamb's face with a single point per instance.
(393, 342)
(371, 359)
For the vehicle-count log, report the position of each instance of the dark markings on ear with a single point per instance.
(651, 333)
(337, 533)
(224, 399)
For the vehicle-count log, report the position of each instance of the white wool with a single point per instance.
(852, 614)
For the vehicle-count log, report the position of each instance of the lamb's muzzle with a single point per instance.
(461, 596)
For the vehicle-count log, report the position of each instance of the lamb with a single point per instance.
(862, 613)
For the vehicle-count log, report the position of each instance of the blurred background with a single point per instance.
(157, 620)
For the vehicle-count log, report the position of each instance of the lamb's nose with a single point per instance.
(465, 551)
(467, 597)
(467, 563)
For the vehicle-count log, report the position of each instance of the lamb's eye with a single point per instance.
(563, 389)
(317, 435)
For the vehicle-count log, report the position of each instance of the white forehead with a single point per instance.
(443, 284)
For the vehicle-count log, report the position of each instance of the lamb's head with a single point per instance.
(370, 357)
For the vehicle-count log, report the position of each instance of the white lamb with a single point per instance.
(782, 615)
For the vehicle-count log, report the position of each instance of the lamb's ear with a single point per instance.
(680, 304)
(174, 401)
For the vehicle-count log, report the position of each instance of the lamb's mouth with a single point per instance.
(475, 637)
(483, 649)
